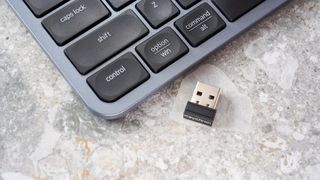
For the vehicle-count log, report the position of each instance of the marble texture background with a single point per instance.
(47, 133)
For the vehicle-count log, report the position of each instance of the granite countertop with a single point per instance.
(268, 125)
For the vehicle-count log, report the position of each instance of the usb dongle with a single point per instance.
(202, 107)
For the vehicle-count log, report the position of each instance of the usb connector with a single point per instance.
(202, 106)
(206, 95)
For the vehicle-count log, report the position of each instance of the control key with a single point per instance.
(118, 78)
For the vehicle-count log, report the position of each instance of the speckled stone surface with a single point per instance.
(270, 131)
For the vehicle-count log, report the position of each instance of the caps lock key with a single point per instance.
(74, 18)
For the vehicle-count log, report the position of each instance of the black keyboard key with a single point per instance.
(185, 4)
(73, 19)
(234, 9)
(118, 78)
(103, 43)
(200, 24)
(162, 49)
(42, 7)
(119, 4)
(157, 12)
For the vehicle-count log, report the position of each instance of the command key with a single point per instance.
(200, 24)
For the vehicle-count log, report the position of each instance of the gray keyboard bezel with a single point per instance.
(123, 105)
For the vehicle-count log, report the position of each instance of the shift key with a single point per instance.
(106, 41)
(74, 18)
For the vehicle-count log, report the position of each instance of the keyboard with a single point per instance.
(116, 53)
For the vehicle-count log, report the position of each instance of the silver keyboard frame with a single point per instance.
(119, 108)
